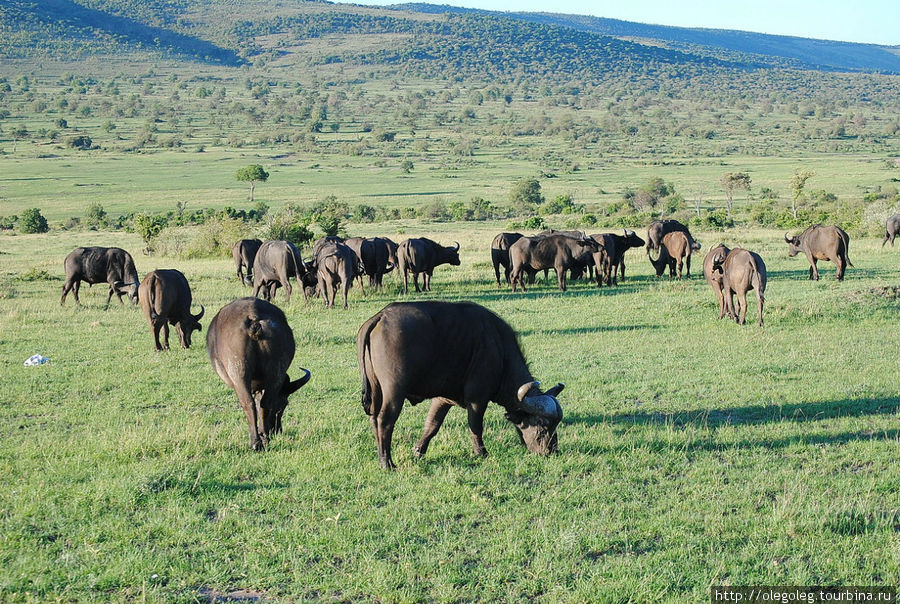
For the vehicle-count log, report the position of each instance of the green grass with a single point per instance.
(693, 452)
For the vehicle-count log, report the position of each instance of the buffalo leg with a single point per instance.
(742, 300)
(688, 263)
(476, 426)
(560, 277)
(433, 421)
(384, 428)
(66, 289)
(165, 330)
(345, 287)
(721, 297)
(156, 326)
(840, 268)
(250, 411)
(760, 300)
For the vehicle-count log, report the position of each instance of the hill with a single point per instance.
(729, 45)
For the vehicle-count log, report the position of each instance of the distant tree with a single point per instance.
(19, 132)
(62, 123)
(731, 182)
(96, 215)
(32, 221)
(526, 194)
(798, 184)
(252, 173)
(81, 142)
(698, 201)
(407, 166)
(148, 227)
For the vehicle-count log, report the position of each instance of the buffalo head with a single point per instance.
(793, 244)
(632, 238)
(127, 289)
(188, 325)
(453, 254)
(536, 417)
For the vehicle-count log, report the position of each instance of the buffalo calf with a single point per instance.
(165, 297)
(251, 347)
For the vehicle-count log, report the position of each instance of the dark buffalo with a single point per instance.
(276, 262)
(714, 278)
(165, 298)
(622, 243)
(557, 251)
(740, 271)
(675, 248)
(822, 243)
(456, 354)
(422, 256)
(377, 255)
(251, 347)
(500, 253)
(110, 265)
(244, 253)
(324, 241)
(659, 228)
(336, 265)
(891, 229)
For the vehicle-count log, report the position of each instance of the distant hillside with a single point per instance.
(734, 46)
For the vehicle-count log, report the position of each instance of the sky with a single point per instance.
(868, 21)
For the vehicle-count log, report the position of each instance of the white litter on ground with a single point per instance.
(36, 360)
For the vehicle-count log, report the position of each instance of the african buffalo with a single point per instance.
(557, 251)
(422, 256)
(822, 243)
(740, 271)
(165, 298)
(675, 248)
(500, 253)
(455, 353)
(718, 253)
(110, 265)
(891, 229)
(659, 228)
(251, 347)
(622, 244)
(336, 264)
(276, 262)
(378, 255)
(244, 253)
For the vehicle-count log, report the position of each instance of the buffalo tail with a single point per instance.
(364, 358)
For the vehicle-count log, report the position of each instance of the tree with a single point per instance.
(252, 173)
(798, 184)
(406, 165)
(96, 216)
(731, 182)
(148, 227)
(32, 221)
(526, 194)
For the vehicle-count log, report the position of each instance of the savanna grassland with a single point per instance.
(693, 452)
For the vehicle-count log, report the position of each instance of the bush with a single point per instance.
(534, 222)
(289, 225)
(32, 221)
(82, 142)
(364, 213)
(213, 239)
(96, 216)
(7, 223)
(562, 204)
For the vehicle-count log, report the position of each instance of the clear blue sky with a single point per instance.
(871, 21)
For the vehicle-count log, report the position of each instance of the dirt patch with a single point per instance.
(211, 595)
(891, 292)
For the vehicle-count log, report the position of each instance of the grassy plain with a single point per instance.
(693, 452)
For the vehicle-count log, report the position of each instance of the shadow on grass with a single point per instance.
(753, 414)
(585, 330)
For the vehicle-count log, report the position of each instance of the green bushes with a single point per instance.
(32, 221)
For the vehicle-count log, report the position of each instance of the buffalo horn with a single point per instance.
(199, 316)
(524, 388)
(786, 240)
(556, 389)
(457, 245)
(297, 384)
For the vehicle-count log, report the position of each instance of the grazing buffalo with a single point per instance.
(165, 298)
(455, 354)
(110, 265)
(716, 254)
(822, 243)
(891, 229)
(422, 256)
(276, 262)
(500, 253)
(244, 253)
(557, 251)
(740, 271)
(378, 255)
(675, 248)
(659, 228)
(251, 347)
(336, 265)
(324, 241)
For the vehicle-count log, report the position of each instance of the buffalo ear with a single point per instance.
(291, 387)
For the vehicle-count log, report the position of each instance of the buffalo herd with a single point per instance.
(454, 353)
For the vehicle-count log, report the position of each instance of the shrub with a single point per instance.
(289, 225)
(81, 142)
(534, 222)
(562, 204)
(364, 213)
(32, 221)
(96, 216)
